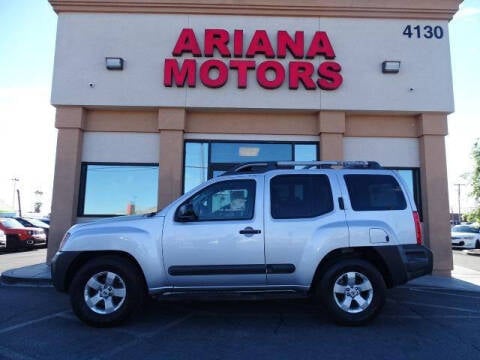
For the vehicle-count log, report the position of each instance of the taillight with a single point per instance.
(418, 227)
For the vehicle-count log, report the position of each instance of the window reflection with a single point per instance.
(228, 200)
(119, 189)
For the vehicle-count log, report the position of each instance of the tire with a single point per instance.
(351, 276)
(106, 291)
(477, 244)
(13, 242)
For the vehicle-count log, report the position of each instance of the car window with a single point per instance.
(226, 200)
(374, 192)
(300, 196)
(37, 223)
(465, 229)
(11, 223)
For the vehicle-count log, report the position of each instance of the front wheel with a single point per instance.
(106, 291)
(353, 291)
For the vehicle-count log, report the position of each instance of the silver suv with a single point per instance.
(341, 232)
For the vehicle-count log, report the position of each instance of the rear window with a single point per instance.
(300, 196)
(375, 193)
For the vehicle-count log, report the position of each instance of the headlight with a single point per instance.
(64, 241)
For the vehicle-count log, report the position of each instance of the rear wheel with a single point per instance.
(353, 291)
(107, 291)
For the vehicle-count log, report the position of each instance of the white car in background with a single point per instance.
(465, 236)
(3, 240)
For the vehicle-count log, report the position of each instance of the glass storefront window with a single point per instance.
(196, 164)
(305, 152)
(207, 159)
(118, 189)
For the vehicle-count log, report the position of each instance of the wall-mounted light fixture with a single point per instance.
(114, 63)
(390, 67)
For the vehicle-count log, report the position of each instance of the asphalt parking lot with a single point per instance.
(416, 323)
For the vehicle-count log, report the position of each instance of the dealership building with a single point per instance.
(153, 97)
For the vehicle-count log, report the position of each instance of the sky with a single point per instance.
(28, 134)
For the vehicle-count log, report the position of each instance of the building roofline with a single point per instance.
(393, 9)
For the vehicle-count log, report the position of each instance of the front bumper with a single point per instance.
(464, 243)
(60, 266)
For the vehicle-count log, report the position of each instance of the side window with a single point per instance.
(300, 196)
(226, 200)
(374, 193)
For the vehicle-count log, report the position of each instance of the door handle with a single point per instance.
(249, 231)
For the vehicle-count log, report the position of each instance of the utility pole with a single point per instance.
(15, 180)
(19, 204)
(459, 209)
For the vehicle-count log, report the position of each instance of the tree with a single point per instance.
(474, 216)
(476, 170)
(37, 205)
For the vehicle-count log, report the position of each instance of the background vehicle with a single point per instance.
(342, 235)
(31, 222)
(21, 237)
(3, 240)
(465, 236)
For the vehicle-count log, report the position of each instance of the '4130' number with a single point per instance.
(427, 31)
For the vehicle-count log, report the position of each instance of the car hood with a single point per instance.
(107, 221)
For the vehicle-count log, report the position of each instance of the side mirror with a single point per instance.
(186, 213)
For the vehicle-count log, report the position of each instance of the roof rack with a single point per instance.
(253, 167)
(261, 167)
(333, 164)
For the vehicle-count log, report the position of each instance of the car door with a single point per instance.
(216, 238)
(304, 221)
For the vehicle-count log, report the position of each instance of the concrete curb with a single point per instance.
(34, 275)
(475, 252)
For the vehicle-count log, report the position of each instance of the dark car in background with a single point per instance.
(21, 237)
(31, 222)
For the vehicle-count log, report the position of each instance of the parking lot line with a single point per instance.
(432, 291)
(30, 322)
(139, 337)
(435, 306)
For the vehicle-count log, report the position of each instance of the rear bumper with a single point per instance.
(406, 262)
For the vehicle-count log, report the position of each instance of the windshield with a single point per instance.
(11, 223)
(465, 229)
(37, 223)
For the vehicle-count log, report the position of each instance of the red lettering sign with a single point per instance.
(275, 68)
(301, 71)
(320, 46)
(260, 44)
(284, 42)
(216, 38)
(270, 74)
(242, 67)
(330, 78)
(222, 70)
(187, 42)
(186, 73)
